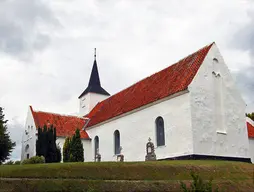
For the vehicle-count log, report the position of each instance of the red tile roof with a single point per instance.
(65, 125)
(250, 130)
(171, 80)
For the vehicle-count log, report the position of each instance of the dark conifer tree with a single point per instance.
(44, 141)
(6, 145)
(46, 145)
(66, 149)
(39, 143)
(76, 148)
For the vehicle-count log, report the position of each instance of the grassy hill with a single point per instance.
(116, 176)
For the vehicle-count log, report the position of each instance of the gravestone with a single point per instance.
(150, 154)
(120, 157)
(97, 156)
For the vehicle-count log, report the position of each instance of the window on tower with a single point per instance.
(83, 102)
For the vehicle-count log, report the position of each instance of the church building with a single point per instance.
(189, 110)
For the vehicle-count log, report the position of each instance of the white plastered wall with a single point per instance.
(231, 138)
(135, 128)
(251, 143)
(29, 138)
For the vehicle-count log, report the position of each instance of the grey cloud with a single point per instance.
(244, 40)
(245, 83)
(16, 130)
(20, 26)
(244, 37)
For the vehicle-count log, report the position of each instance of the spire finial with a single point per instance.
(94, 53)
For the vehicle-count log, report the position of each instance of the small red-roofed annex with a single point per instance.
(250, 128)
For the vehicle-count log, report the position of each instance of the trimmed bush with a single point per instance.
(34, 160)
(9, 162)
(17, 163)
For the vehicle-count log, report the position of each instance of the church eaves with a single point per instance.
(94, 85)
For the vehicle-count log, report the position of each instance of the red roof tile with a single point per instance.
(65, 125)
(171, 80)
(250, 130)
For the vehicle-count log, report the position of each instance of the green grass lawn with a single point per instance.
(133, 176)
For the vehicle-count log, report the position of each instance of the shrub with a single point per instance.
(34, 160)
(17, 163)
(76, 148)
(66, 149)
(198, 185)
(9, 162)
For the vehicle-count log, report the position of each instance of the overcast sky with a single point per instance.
(46, 47)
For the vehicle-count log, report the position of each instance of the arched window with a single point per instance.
(27, 148)
(216, 66)
(96, 145)
(117, 142)
(160, 134)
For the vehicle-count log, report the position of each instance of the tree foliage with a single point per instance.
(46, 145)
(198, 185)
(76, 148)
(34, 160)
(6, 145)
(250, 115)
(66, 149)
(73, 150)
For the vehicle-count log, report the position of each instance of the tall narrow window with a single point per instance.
(117, 142)
(96, 145)
(160, 135)
(27, 150)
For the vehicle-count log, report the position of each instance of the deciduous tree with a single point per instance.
(250, 115)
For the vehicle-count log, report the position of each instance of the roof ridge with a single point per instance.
(160, 70)
(176, 77)
(66, 115)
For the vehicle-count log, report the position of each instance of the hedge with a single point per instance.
(168, 170)
(74, 185)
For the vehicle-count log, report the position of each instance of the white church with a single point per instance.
(190, 110)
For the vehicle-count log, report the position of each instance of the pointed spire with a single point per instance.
(94, 84)
(94, 77)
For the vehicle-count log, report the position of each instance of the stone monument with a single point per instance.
(120, 157)
(97, 156)
(150, 155)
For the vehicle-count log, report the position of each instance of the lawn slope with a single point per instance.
(134, 176)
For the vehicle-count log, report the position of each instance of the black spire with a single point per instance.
(94, 85)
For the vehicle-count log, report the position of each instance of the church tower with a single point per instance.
(94, 93)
